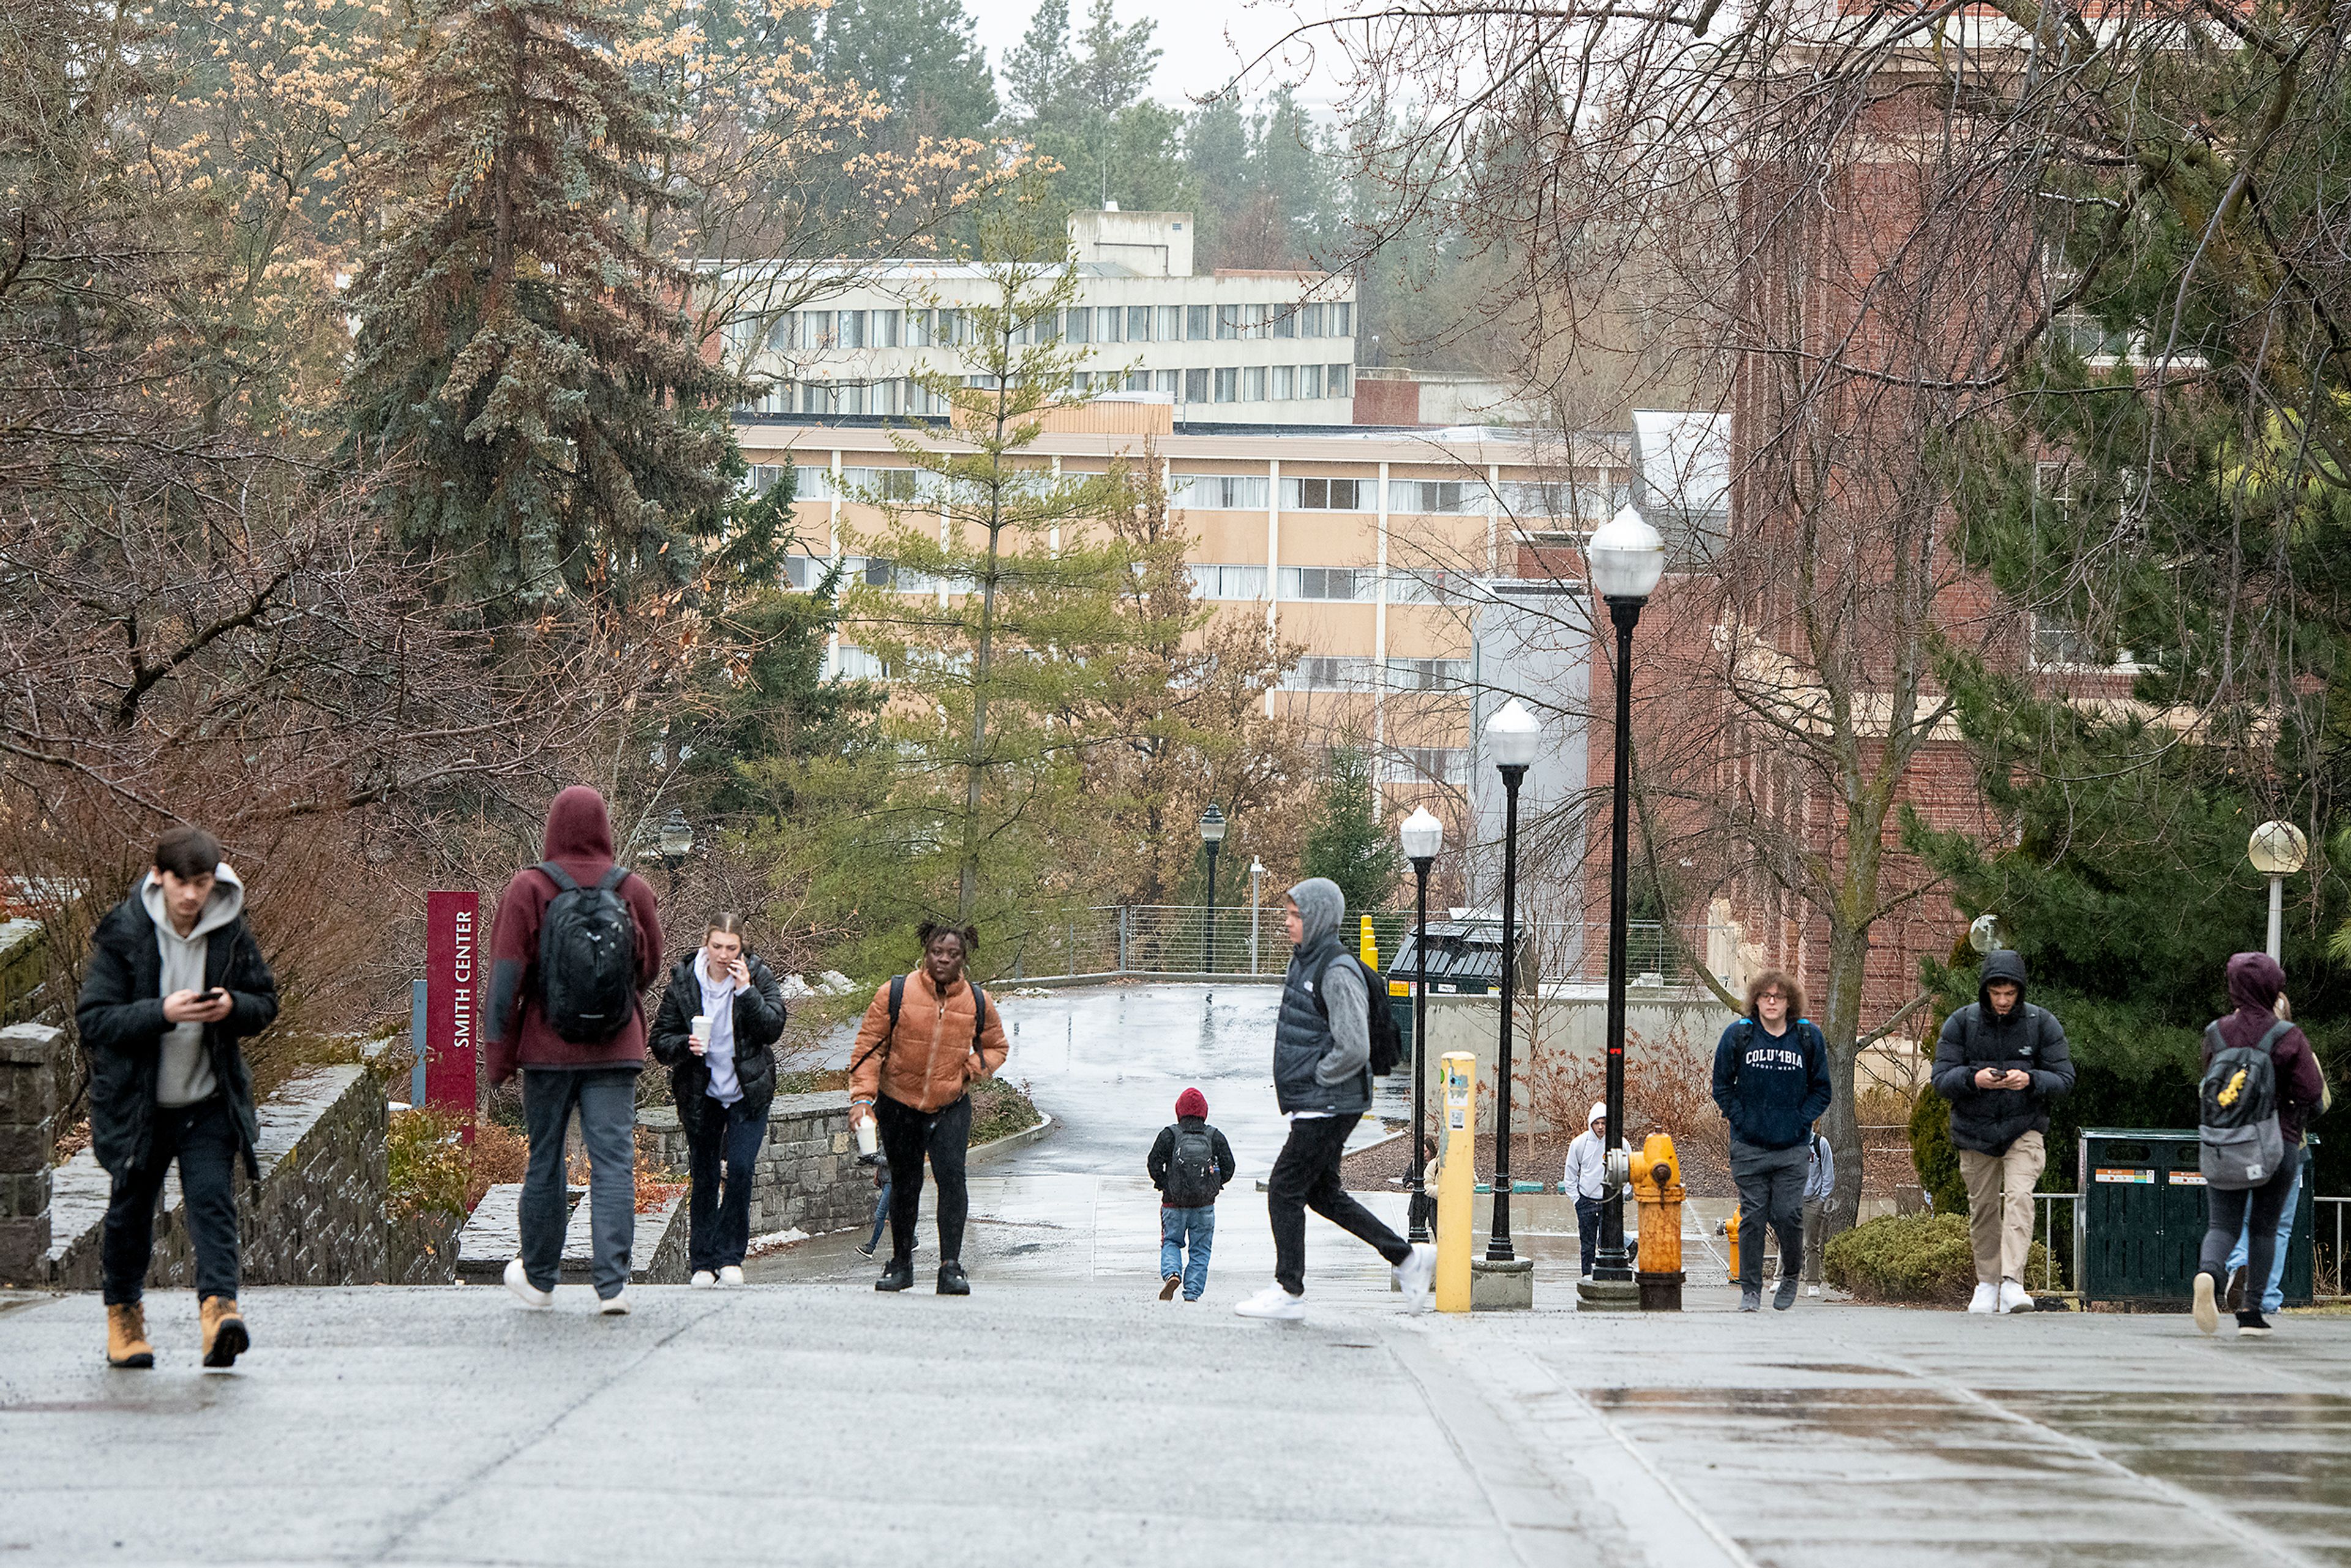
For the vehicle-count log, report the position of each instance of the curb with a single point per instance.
(995, 1148)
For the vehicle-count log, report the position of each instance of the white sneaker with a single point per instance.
(1986, 1299)
(703, 1280)
(2014, 1298)
(519, 1283)
(614, 1306)
(1415, 1274)
(1273, 1301)
(2206, 1311)
(730, 1276)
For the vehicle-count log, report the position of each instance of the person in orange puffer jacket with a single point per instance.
(927, 1035)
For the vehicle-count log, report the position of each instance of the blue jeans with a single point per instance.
(1587, 1229)
(2274, 1298)
(718, 1229)
(880, 1217)
(1179, 1227)
(607, 1100)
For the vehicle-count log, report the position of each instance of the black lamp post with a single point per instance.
(1625, 558)
(1212, 833)
(676, 844)
(1423, 837)
(1512, 735)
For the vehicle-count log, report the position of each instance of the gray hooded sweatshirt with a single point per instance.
(1322, 1039)
(184, 1076)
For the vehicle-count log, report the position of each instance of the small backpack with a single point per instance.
(1192, 1180)
(2239, 1142)
(587, 958)
(1379, 1017)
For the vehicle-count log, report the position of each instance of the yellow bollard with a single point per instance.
(1456, 1180)
(1368, 946)
(1657, 1189)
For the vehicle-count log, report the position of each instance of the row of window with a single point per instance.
(1348, 584)
(822, 332)
(905, 395)
(1315, 672)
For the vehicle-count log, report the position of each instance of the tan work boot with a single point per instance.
(224, 1336)
(125, 1336)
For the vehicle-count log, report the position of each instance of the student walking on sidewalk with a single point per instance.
(174, 982)
(1770, 1083)
(1190, 1164)
(1820, 1186)
(2297, 1094)
(2000, 1062)
(723, 1078)
(926, 1037)
(1322, 1081)
(578, 938)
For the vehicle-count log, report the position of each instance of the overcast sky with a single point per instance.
(1202, 42)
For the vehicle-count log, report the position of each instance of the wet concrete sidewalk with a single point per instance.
(1057, 1421)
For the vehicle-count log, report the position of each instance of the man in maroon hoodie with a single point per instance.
(557, 1074)
(2254, 981)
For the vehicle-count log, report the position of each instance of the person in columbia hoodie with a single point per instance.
(600, 1080)
(1770, 1083)
(2255, 982)
(1322, 1081)
(2000, 1062)
(174, 981)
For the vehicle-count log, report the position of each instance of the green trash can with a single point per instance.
(2138, 1225)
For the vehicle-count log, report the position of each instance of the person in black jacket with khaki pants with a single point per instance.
(174, 982)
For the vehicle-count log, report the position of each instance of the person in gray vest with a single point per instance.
(1322, 1081)
(2000, 1062)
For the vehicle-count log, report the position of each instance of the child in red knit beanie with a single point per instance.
(1190, 1165)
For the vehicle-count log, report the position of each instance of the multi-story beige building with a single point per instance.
(1375, 551)
(1272, 348)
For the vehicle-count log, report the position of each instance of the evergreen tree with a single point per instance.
(1345, 840)
(922, 58)
(1217, 148)
(520, 354)
(1039, 71)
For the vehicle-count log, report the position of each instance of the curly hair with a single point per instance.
(930, 931)
(1778, 980)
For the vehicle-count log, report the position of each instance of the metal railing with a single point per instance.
(2326, 1225)
(1174, 939)
(2058, 1278)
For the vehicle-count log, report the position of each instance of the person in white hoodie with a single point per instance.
(1586, 1177)
(174, 982)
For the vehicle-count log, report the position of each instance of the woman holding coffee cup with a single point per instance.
(718, 1022)
(926, 1037)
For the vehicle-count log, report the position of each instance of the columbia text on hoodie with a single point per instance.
(1771, 1087)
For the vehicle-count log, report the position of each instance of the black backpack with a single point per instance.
(1193, 1178)
(2240, 1144)
(587, 958)
(1379, 1017)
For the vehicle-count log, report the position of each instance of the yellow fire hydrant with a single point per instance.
(1658, 1188)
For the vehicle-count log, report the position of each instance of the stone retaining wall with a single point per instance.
(28, 1111)
(806, 1177)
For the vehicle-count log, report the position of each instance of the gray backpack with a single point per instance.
(2241, 1144)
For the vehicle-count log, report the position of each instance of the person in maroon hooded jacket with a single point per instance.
(2255, 982)
(598, 1077)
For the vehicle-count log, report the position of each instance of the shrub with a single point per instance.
(1933, 1154)
(428, 1166)
(1000, 1109)
(1917, 1257)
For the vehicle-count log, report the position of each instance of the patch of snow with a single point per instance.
(775, 1238)
(833, 983)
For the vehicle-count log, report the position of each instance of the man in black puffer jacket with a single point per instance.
(723, 1081)
(2000, 1062)
(174, 981)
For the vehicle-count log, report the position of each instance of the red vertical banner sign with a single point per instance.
(452, 1001)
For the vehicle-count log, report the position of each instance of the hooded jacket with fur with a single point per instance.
(580, 840)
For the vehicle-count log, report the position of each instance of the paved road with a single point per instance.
(1042, 1422)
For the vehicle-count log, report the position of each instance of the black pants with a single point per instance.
(2226, 1214)
(1771, 1191)
(907, 1135)
(1306, 1176)
(203, 1138)
(719, 1226)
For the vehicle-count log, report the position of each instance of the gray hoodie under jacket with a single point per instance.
(184, 1073)
(1322, 1040)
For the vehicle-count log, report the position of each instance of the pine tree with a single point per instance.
(520, 354)
(921, 58)
(1344, 841)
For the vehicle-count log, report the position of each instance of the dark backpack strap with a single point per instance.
(615, 874)
(559, 877)
(898, 1000)
(978, 1018)
(2274, 1033)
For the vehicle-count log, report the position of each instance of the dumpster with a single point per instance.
(1465, 958)
(2138, 1225)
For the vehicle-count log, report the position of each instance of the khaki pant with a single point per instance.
(1999, 1207)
